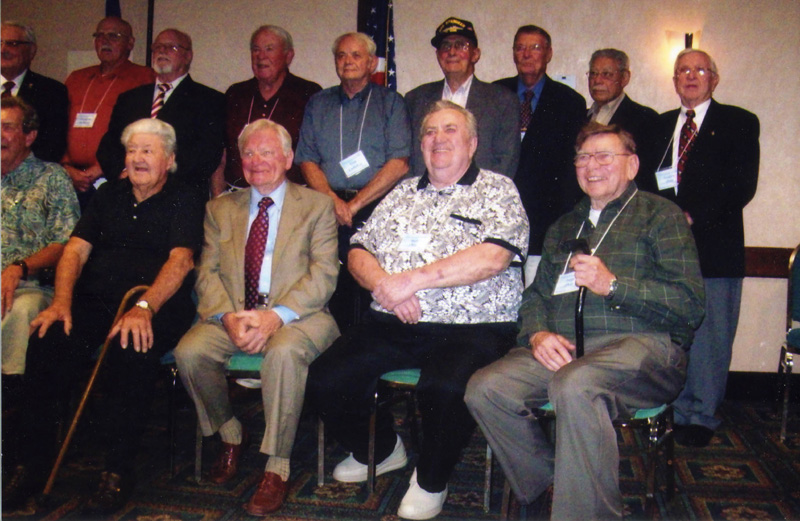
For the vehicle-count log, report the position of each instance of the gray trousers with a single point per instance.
(29, 300)
(618, 373)
(201, 356)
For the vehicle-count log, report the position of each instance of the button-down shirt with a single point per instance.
(173, 85)
(461, 94)
(482, 207)
(700, 112)
(537, 92)
(651, 251)
(39, 208)
(604, 113)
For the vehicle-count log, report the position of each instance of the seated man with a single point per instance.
(144, 229)
(39, 211)
(644, 300)
(284, 236)
(437, 256)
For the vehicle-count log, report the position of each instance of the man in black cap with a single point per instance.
(494, 107)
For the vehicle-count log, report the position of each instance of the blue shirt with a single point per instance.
(332, 127)
(537, 92)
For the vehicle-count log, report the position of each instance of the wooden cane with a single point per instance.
(82, 405)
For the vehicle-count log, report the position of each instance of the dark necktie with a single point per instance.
(686, 141)
(7, 88)
(159, 101)
(525, 112)
(254, 253)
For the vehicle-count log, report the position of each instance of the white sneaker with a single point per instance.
(418, 503)
(351, 471)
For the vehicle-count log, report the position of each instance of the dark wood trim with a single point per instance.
(767, 262)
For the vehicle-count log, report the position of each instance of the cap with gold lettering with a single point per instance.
(454, 27)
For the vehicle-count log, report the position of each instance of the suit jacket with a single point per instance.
(497, 114)
(195, 111)
(642, 123)
(546, 176)
(49, 98)
(304, 263)
(718, 180)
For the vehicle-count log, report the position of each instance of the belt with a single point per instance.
(263, 301)
(345, 195)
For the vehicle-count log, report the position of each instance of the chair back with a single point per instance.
(794, 288)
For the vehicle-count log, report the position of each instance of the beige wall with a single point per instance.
(756, 44)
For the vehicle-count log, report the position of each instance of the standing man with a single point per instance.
(442, 257)
(47, 96)
(93, 91)
(644, 297)
(273, 93)
(196, 112)
(609, 74)
(710, 168)
(39, 211)
(550, 116)
(275, 306)
(354, 147)
(495, 110)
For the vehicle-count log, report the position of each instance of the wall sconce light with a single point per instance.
(680, 40)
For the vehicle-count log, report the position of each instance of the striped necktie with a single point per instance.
(686, 141)
(8, 87)
(159, 101)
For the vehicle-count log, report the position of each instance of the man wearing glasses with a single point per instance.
(92, 94)
(550, 115)
(709, 167)
(495, 109)
(47, 96)
(196, 112)
(609, 74)
(644, 297)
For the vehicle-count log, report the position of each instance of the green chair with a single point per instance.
(791, 346)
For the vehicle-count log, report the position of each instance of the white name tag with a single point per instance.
(354, 164)
(415, 242)
(565, 284)
(85, 119)
(667, 178)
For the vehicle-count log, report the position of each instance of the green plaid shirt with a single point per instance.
(651, 251)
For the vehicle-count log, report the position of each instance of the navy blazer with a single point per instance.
(195, 111)
(719, 179)
(546, 175)
(642, 123)
(51, 101)
(497, 115)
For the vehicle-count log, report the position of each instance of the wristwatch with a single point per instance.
(145, 305)
(612, 288)
(24, 265)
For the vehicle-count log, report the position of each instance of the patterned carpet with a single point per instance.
(746, 473)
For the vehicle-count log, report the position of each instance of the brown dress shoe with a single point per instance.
(227, 464)
(268, 497)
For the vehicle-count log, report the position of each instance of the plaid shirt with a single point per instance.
(649, 249)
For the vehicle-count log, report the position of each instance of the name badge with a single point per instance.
(415, 242)
(354, 164)
(85, 119)
(565, 284)
(667, 178)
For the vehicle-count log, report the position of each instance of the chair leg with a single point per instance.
(669, 453)
(171, 419)
(320, 452)
(504, 507)
(785, 366)
(487, 480)
(198, 455)
(371, 447)
(651, 453)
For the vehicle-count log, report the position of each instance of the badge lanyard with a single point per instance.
(271, 112)
(88, 88)
(360, 132)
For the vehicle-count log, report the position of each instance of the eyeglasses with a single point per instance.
(700, 71)
(15, 43)
(159, 47)
(606, 75)
(458, 45)
(535, 47)
(602, 158)
(112, 37)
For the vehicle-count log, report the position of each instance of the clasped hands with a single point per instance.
(250, 330)
(397, 294)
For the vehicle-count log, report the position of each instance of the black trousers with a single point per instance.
(341, 385)
(56, 362)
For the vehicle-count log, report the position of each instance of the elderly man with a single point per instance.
(609, 74)
(47, 96)
(39, 211)
(710, 169)
(495, 110)
(93, 91)
(354, 146)
(285, 237)
(442, 257)
(550, 115)
(644, 297)
(145, 229)
(273, 93)
(196, 112)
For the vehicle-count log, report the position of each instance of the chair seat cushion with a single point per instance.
(245, 362)
(402, 376)
(639, 414)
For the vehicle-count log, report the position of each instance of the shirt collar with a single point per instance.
(277, 196)
(17, 81)
(699, 111)
(467, 179)
(360, 95)
(537, 88)
(606, 112)
(585, 205)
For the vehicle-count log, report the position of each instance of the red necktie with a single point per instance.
(525, 112)
(7, 88)
(254, 253)
(159, 101)
(688, 132)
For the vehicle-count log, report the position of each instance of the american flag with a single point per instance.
(380, 26)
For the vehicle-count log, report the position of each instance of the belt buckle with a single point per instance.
(263, 301)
